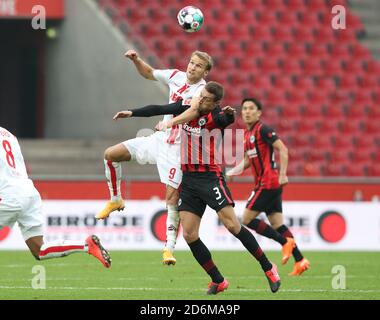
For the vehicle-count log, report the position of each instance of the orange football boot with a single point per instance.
(287, 250)
(300, 267)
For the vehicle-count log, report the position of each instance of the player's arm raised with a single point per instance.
(283, 152)
(152, 110)
(142, 67)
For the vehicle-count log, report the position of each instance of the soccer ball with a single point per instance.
(190, 18)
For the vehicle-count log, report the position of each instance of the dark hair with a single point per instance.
(216, 89)
(255, 101)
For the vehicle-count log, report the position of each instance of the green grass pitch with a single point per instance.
(140, 275)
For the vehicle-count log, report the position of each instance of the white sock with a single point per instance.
(113, 175)
(61, 248)
(172, 222)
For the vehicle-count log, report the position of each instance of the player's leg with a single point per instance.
(190, 225)
(30, 221)
(63, 248)
(302, 264)
(230, 221)
(250, 220)
(113, 156)
(168, 166)
(172, 223)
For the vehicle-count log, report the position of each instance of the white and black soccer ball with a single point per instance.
(190, 18)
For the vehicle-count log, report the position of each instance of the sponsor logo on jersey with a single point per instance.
(252, 153)
(202, 122)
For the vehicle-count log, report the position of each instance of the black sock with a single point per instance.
(203, 256)
(266, 230)
(287, 234)
(249, 241)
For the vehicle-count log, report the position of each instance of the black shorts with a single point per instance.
(200, 189)
(265, 200)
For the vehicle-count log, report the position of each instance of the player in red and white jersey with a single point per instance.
(161, 148)
(260, 141)
(21, 202)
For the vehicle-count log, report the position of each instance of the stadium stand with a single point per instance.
(285, 53)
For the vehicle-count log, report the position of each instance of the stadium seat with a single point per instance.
(344, 142)
(335, 170)
(304, 83)
(351, 127)
(374, 170)
(356, 169)
(283, 33)
(329, 126)
(357, 112)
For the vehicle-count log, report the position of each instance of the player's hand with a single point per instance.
(131, 54)
(161, 126)
(228, 110)
(283, 180)
(122, 114)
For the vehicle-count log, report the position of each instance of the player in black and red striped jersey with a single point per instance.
(203, 182)
(260, 141)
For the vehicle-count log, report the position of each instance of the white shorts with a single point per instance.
(26, 211)
(154, 149)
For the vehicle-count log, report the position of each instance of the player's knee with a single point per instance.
(246, 220)
(190, 236)
(232, 226)
(108, 154)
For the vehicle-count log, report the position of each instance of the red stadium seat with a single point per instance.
(351, 127)
(322, 141)
(349, 82)
(284, 83)
(317, 155)
(283, 33)
(295, 5)
(304, 83)
(344, 142)
(362, 156)
(369, 81)
(276, 98)
(275, 49)
(303, 34)
(313, 111)
(245, 16)
(297, 97)
(340, 51)
(289, 66)
(332, 67)
(308, 126)
(365, 142)
(325, 84)
(287, 17)
(287, 125)
(269, 65)
(241, 32)
(324, 34)
(296, 49)
(335, 170)
(262, 82)
(372, 126)
(356, 169)
(357, 112)
(329, 126)
(374, 170)
(312, 67)
(360, 52)
(334, 112)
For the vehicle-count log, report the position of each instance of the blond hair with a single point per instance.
(205, 57)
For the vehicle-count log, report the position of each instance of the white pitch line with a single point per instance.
(192, 289)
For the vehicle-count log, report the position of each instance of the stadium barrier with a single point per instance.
(315, 225)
